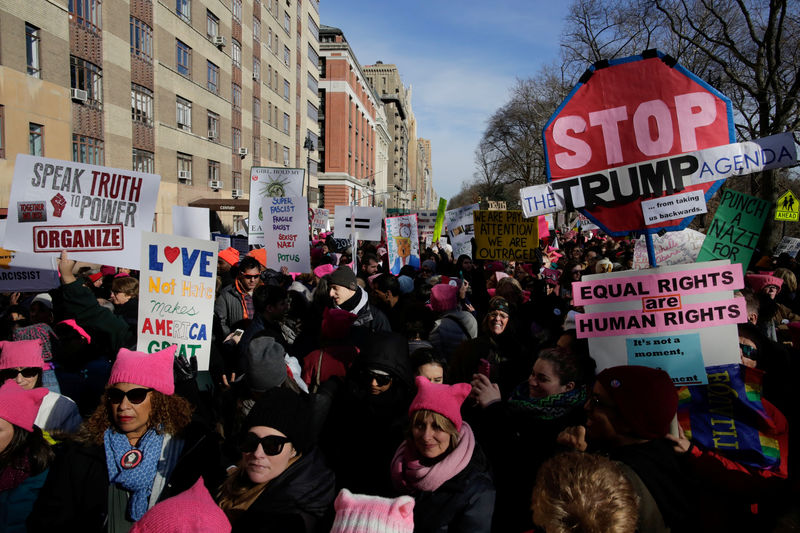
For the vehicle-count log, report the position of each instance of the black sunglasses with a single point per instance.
(271, 444)
(751, 352)
(135, 396)
(251, 276)
(11, 373)
(381, 379)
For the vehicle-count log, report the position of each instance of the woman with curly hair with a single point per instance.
(139, 447)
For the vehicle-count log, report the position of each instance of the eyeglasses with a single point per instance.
(135, 396)
(271, 444)
(751, 352)
(381, 379)
(11, 373)
(251, 276)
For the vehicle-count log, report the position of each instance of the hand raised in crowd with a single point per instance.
(573, 437)
(65, 268)
(14, 298)
(227, 383)
(484, 391)
(681, 443)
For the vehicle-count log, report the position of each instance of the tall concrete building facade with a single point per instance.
(197, 91)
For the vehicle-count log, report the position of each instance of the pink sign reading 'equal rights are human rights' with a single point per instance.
(689, 316)
(633, 287)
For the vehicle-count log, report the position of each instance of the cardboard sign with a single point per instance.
(460, 229)
(321, 220)
(787, 207)
(733, 234)
(673, 207)
(95, 213)
(266, 183)
(286, 234)
(673, 248)
(426, 222)
(191, 222)
(349, 219)
(176, 295)
(540, 200)
(437, 230)
(497, 205)
(788, 245)
(660, 315)
(505, 236)
(402, 240)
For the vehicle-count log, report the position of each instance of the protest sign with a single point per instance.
(22, 271)
(437, 230)
(402, 240)
(672, 248)
(733, 234)
(497, 205)
(321, 219)
(286, 233)
(787, 208)
(788, 245)
(95, 213)
(460, 229)
(540, 200)
(505, 236)
(673, 207)
(176, 295)
(224, 241)
(192, 222)
(366, 221)
(426, 223)
(678, 318)
(266, 183)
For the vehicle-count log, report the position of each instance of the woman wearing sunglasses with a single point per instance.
(281, 483)
(21, 362)
(139, 447)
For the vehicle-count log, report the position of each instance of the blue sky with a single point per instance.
(461, 58)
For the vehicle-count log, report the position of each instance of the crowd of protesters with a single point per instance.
(455, 397)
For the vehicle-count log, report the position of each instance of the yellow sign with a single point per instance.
(787, 207)
(506, 236)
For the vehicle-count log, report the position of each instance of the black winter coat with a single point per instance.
(75, 495)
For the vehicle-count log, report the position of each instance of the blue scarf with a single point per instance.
(133, 468)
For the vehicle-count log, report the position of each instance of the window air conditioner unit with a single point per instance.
(78, 94)
(286, 162)
(212, 134)
(242, 151)
(219, 40)
(255, 77)
(184, 176)
(236, 193)
(215, 184)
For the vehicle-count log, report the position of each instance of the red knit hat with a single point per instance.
(336, 323)
(191, 511)
(152, 370)
(759, 281)
(19, 406)
(439, 398)
(645, 397)
(230, 255)
(21, 354)
(95, 277)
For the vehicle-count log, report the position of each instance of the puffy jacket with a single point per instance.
(453, 328)
(228, 308)
(16, 503)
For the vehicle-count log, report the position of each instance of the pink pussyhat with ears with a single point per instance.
(359, 513)
(21, 354)
(191, 511)
(439, 398)
(151, 370)
(19, 406)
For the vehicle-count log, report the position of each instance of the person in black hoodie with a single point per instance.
(347, 295)
(282, 482)
(370, 410)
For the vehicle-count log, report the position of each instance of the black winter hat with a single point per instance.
(286, 411)
(344, 277)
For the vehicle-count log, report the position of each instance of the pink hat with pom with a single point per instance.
(152, 370)
(359, 513)
(19, 406)
(439, 398)
(444, 297)
(21, 354)
(191, 511)
(323, 270)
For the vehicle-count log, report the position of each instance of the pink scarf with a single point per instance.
(410, 475)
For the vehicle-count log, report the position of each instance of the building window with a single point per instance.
(32, 42)
(143, 161)
(287, 56)
(312, 55)
(2, 133)
(269, 38)
(183, 8)
(35, 139)
(313, 28)
(312, 111)
(237, 180)
(256, 29)
(285, 123)
(313, 84)
(287, 22)
(87, 77)
(236, 136)
(185, 165)
(183, 59)
(256, 68)
(237, 96)
(184, 114)
(256, 109)
(213, 126)
(213, 77)
(141, 40)
(256, 149)
(86, 13)
(286, 89)
(236, 53)
(237, 10)
(285, 156)
(212, 25)
(213, 170)
(141, 104)
(87, 150)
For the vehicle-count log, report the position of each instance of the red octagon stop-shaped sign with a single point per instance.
(635, 110)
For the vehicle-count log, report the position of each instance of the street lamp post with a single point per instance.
(308, 144)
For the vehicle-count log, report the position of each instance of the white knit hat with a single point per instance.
(359, 513)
